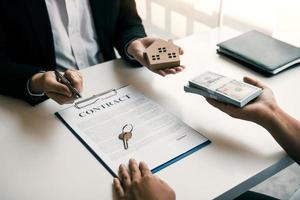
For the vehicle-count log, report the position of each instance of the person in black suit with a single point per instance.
(39, 36)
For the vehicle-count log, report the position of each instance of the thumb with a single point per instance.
(140, 57)
(254, 82)
(148, 41)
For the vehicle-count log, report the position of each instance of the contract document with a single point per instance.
(156, 136)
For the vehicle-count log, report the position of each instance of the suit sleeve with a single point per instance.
(14, 76)
(129, 27)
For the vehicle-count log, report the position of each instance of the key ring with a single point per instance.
(127, 125)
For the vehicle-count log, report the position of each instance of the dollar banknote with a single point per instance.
(222, 88)
(207, 79)
(237, 90)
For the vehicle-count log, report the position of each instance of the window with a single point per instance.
(178, 18)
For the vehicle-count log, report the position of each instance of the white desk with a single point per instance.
(40, 158)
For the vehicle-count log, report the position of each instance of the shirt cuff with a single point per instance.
(31, 93)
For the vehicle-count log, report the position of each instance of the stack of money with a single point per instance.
(223, 89)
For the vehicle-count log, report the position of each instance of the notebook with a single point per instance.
(261, 52)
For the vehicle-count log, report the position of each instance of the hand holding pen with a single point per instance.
(62, 79)
(62, 88)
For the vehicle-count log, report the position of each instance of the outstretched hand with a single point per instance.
(257, 111)
(137, 49)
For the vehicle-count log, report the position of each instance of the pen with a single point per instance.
(66, 82)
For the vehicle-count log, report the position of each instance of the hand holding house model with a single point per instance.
(162, 54)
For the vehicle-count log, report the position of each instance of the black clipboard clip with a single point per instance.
(93, 99)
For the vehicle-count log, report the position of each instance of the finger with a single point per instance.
(139, 56)
(75, 78)
(148, 41)
(74, 72)
(254, 82)
(125, 177)
(179, 69)
(170, 71)
(52, 85)
(144, 169)
(181, 51)
(134, 170)
(60, 99)
(137, 48)
(160, 72)
(119, 189)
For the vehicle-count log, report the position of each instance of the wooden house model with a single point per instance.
(162, 54)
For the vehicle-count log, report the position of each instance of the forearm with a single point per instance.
(129, 26)
(14, 78)
(124, 39)
(286, 131)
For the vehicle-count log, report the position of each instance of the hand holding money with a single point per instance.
(223, 89)
(260, 111)
(264, 111)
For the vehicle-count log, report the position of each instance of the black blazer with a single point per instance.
(26, 40)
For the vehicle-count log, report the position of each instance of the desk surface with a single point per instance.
(41, 159)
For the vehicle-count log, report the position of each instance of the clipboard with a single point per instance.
(85, 103)
(98, 98)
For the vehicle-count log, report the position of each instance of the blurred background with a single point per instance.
(173, 19)
(179, 18)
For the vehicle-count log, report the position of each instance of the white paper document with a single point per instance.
(158, 137)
